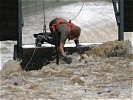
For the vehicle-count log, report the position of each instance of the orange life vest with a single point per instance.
(73, 32)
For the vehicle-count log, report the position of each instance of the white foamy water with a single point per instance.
(97, 21)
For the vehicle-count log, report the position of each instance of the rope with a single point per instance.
(44, 33)
(44, 27)
(79, 11)
(31, 58)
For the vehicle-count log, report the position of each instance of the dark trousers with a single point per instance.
(41, 39)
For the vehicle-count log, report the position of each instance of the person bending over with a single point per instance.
(61, 30)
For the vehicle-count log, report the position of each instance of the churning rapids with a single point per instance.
(88, 77)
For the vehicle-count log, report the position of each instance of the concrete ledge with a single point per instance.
(66, 45)
(43, 55)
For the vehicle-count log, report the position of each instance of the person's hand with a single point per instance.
(68, 60)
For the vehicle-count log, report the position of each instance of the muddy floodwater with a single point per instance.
(97, 22)
(103, 72)
(89, 78)
(105, 75)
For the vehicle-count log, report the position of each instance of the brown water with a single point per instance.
(96, 20)
(88, 78)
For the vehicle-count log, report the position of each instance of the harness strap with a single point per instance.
(57, 23)
(69, 26)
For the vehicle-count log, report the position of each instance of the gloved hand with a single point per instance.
(68, 60)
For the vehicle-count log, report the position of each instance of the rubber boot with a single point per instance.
(77, 43)
(68, 60)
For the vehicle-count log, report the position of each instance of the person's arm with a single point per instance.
(63, 37)
(62, 28)
(61, 47)
(63, 56)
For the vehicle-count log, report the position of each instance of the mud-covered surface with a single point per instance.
(91, 77)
